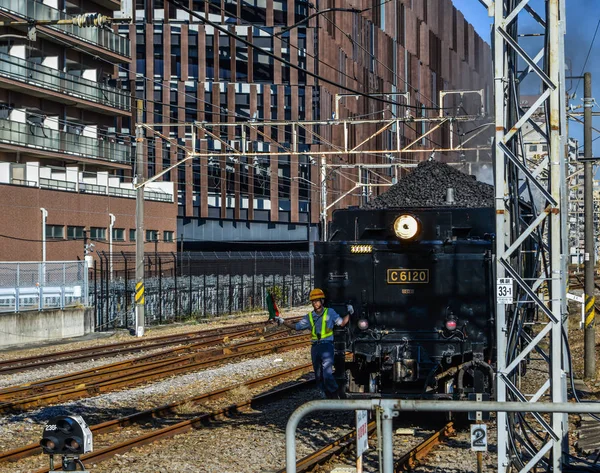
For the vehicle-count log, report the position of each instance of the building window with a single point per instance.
(151, 235)
(131, 235)
(118, 234)
(55, 231)
(75, 233)
(544, 148)
(168, 237)
(97, 233)
(533, 148)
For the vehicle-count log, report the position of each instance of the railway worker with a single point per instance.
(321, 322)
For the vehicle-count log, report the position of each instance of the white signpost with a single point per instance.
(479, 437)
(504, 290)
(362, 437)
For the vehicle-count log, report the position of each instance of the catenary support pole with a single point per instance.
(590, 253)
(139, 223)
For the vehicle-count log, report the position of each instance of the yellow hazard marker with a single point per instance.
(139, 293)
(590, 311)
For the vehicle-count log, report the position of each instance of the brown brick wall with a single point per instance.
(21, 217)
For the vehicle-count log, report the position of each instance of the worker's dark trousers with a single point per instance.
(322, 360)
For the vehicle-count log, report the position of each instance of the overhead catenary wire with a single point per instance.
(243, 40)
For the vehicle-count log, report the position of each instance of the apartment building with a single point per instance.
(65, 159)
(188, 71)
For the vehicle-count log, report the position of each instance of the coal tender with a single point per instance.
(420, 279)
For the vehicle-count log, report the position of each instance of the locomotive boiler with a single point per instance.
(421, 284)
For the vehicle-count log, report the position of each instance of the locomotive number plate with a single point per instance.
(407, 276)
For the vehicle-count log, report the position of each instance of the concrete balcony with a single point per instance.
(49, 143)
(97, 41)
(72, 179)
(42, 81)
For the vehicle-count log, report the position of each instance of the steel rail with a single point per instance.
(411, 459)
(106, 371)
(160, 411)
(143, 374)
(407, 462)
(21, 364)
(323, 455)
(185, 426)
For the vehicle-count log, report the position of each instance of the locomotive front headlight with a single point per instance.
(406, 227)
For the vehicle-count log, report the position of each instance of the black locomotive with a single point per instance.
(421, 283)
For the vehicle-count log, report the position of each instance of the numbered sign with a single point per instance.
(479, 437)
(504, 288)
(362, 432)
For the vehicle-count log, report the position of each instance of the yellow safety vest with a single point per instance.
(324, 331)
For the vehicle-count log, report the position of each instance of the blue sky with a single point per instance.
(582, 20)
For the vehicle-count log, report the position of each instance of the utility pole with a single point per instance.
(590, 254)
(139, 222)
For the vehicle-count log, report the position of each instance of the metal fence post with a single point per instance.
(64, 285)
(204, 294)
(160, 294)
(175, 280)
(126, 295)
(230, 287)
(107, 279)
(218, 274)
(18, 290)
(190, 284)
(40, 286)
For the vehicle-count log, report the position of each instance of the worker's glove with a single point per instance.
(350, 309)
(279, 320)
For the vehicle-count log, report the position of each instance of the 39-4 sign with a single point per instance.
(504, 290)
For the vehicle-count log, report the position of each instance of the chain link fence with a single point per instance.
(42, 285)
(188, 286)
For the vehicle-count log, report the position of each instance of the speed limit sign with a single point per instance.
(504, 291)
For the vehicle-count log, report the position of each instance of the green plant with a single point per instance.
(277, 293)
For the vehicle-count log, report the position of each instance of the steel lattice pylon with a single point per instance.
(530, 224)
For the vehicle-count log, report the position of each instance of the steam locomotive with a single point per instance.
(421, 283)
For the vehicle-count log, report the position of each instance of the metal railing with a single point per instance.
(148, 195)
(30, 9)
(33, 136)
(57, 184)
(69, 84)
(92, 188)
(38, 285)
(390, 408)
(185, 286)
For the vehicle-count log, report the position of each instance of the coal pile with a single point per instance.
(426, 186)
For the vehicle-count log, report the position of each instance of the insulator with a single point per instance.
(90, 19)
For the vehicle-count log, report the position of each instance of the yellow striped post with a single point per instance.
(590, 311)
(139, 293)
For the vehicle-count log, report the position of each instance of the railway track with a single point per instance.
(107, 350)
(128, 374)
(347, 442)
(162, 412)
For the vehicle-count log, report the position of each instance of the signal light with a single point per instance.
(68, 436)
(361, 249)
(363, 324)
